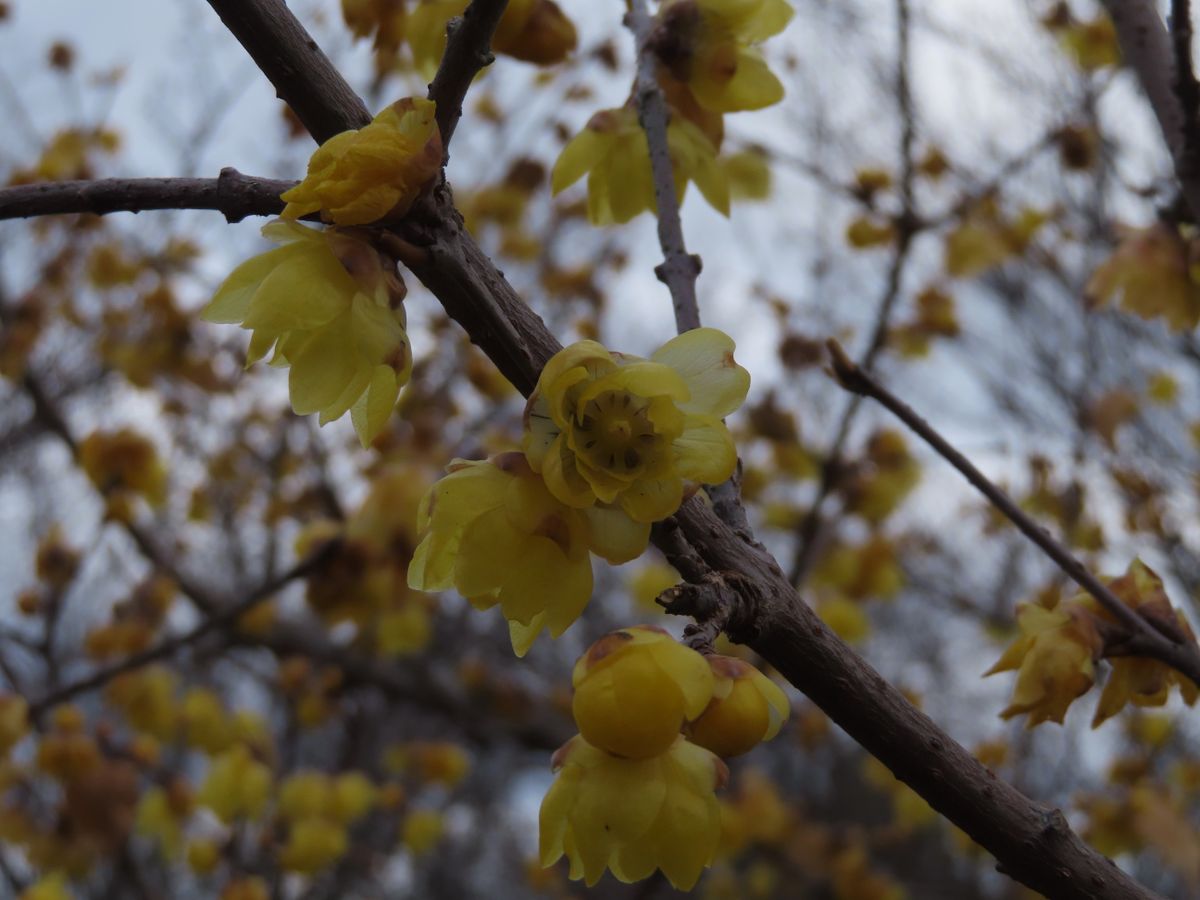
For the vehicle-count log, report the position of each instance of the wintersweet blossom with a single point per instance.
(612, 151)
(635, 688)
(492, 531)
(747, 708)
(609, 428)
(711, 45)
(633, 815)
(331, 306)
(361, 176)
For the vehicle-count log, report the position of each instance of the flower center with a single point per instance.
(614, 432)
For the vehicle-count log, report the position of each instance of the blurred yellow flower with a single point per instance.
(612, 151)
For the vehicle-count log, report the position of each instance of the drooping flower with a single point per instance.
(610, 428)
(331, 306)
(361, 176)
(711, 46)
(1142, 682)
(1055, 661)
(747, 708)
(612, 151)
(633, 815)
(635, 688)
(237, 785)
(492, 531)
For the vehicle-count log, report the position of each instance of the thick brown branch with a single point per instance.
(1149, 641)
(679, 268)
(468, 49)
(303, 76)
(232, 194)
(1147, 50)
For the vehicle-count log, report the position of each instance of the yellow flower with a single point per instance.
(237, 786)
(331, 307)
(633, 815)
(361, 176)
(14, 721)
(618, 429)
(709, 45)
(612, 151)
(634, 689)
(422, 830)
(536, 31)
(124, 460)
(494, 533)
(1142, 682)
(747, 708)
(312, 845)
(1054, 657)
(49, 887)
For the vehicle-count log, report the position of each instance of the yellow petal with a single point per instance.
(489, 547)
(374, 407)
(614, 536)
(322, 368)
(704, 357)
(652, 500)
(705, 452)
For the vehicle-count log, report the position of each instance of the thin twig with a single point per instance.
(468, 49)
(679, 268)
(226, 617)
(908, 224)
(1144, 639)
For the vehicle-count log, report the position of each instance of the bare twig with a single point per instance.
(908, 225)
(468, 49)
(1186, 87)
(226, 618)
(1144, 639)
(679, 268)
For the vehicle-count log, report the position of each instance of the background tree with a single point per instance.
(218, 679)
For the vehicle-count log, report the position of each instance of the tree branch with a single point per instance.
(679, 268)
(232, 194)
(468, 50)
(907, 225)
(1144, 638)
(303, 76)
(226, 617)
(1147, 49)
(1033, 844)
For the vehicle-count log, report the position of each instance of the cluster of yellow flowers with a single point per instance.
(327, 301)
(709, 64)
(1056, 653)
(633, 793)
(611, 443)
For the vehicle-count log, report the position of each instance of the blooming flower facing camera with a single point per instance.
(609, 428)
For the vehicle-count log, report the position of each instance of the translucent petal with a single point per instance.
(545, 580)
(489, 550)
(370, 414)
(705, 452)
(614, 536)
(704, 357)
(323, 368)
(231, 302)
(578, 157)
(652, 500)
